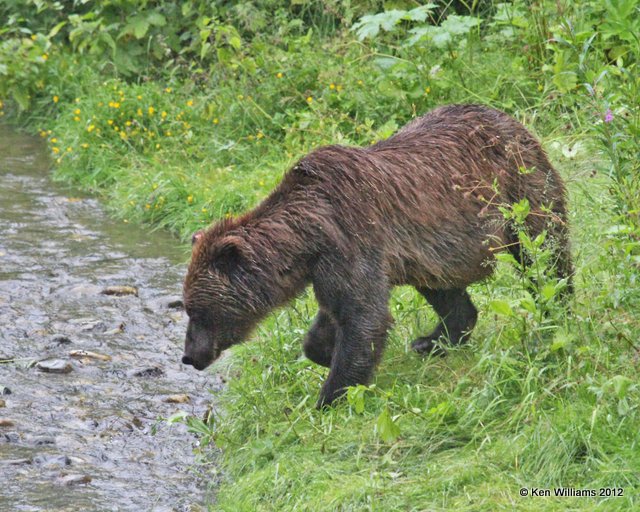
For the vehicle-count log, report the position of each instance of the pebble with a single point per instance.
(116, 330)
(4, 422)
(42, 441)
(153, 371)
(2, 403)
(54, 366)
(120, 291)
(61, 339)
(69, 480)
(4, 390)
(81, 354)
(177, 399)
(176, 304)
(46, 460)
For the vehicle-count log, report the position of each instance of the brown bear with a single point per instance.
(420, 208)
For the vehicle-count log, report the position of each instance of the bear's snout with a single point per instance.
(187, 360)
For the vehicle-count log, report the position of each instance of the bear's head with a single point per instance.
(220, 296)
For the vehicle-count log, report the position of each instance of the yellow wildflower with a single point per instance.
(139, 97)
(190, 199)
(216, 120)
(128, 123)
(168, 89)
(427, 90)
(34, 37)
(56, 99)
(338, 87)
(151, 110)
(116, 104)
(110, 122)
(163, 115)
(77, 111)
(139, 112)
(54, 140)
(190, 103)
(279, 75)
(147, 206)
(69, 149)
(332, 86)
(45, 56)
(76, 118)
(260, 135)
(168, 133)
(55, 150)
(84, 145)
(204, 210)
(157, 146)
(90, 128)
(309, 99)
(240, 97)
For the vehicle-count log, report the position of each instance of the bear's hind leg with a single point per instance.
(457, 314)
(321, 339)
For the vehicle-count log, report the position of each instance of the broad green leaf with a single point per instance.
(565, 81)
(156, 19)
(501, 307)
(507, 257)
(548, 291)
(458, 25)
(441, 38)
(177, 417)
(419, 13)
(388, 429)
(56, 29)
(528, 304)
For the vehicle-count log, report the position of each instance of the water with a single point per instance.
(58, 251)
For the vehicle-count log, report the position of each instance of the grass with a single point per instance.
(533, 401)
(475, 427)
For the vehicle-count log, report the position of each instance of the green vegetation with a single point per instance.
(181, 115)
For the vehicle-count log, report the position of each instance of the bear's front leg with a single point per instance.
(355, 294)
(360, 340)
(321, 339)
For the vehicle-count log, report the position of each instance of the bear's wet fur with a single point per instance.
(420, 208)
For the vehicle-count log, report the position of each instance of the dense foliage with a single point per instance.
(179, 113)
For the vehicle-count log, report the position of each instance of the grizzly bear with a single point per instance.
(421, 208)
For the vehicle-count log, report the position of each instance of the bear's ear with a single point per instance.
(197, 236)
(227, 253)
